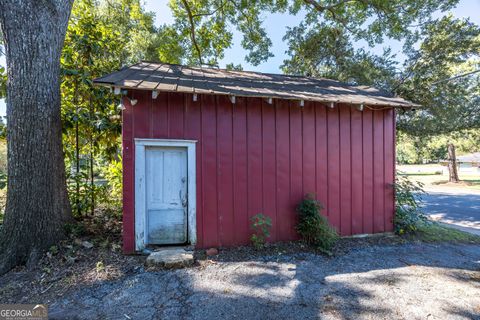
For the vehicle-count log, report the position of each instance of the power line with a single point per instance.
(456, 77)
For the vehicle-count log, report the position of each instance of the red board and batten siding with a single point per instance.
(254, 157)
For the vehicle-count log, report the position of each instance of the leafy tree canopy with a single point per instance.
(102, 37)
(203, 28)
(324, 45)
(450, 47)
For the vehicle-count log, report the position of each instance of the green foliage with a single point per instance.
(109, 195)
(326, 51)
(413, 149)
(53, 250)
(313, 227)
(102, 36)
(3, 82)
(81, 193)
(408, 197)
(113, 174)
(232, 66)
(435, 232)
(203, 29)
(75, 230)
(133, 27)
(169, 49)
(407, 149)
(449, 47)
(260, 225)
(323, 45)
(99, 266)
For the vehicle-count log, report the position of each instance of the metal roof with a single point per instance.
(200, 80)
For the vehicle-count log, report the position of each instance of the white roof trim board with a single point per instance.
(200, 80)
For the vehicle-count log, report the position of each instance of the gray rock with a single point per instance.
(87, 244)
(171, 258)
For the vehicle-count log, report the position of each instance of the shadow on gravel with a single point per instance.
(465, 314)
(365, 283)
(377, 282)
(306, 301)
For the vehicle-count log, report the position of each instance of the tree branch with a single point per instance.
(330, 9)
(321, 8)
(203, 14)
(192, 30)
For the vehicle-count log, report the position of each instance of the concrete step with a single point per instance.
(171, 258)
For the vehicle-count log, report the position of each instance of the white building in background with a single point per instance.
(469, 163)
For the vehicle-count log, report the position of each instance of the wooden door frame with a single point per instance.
(140, 186)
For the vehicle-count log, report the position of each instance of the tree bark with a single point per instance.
(452, 164)
(37, 202)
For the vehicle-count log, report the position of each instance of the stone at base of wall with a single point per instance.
(170, 258)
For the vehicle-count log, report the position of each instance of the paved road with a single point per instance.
(457, 207)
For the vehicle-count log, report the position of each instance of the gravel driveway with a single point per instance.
(400, 281)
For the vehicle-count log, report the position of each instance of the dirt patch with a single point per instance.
(91, 254)
(460, 184)
(69, 266)
(280, 251)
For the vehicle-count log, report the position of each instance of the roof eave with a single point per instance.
(409, 105)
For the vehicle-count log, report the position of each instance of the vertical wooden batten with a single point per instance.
(252, 158)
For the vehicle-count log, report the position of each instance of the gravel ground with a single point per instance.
(393, 281)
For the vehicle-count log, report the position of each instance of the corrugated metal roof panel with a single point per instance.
(177, 78)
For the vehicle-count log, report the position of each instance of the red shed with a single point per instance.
(206, 149)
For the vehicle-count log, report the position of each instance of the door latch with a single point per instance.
(182, 199)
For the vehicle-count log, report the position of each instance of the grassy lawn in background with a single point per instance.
(469, 182)
(435, 232)
(437, 176)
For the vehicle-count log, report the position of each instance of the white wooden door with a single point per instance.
(166, 195)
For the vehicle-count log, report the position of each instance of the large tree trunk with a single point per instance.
(37, 202)
(452, 164)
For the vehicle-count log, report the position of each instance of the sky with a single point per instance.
(276, 26)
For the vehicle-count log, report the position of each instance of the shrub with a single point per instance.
(113, 174)
(261, 225)
(313, 227)
(75, 229)
(408, 198)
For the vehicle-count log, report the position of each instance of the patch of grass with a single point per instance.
(435, 232)
(469, 182)
(463, 183)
